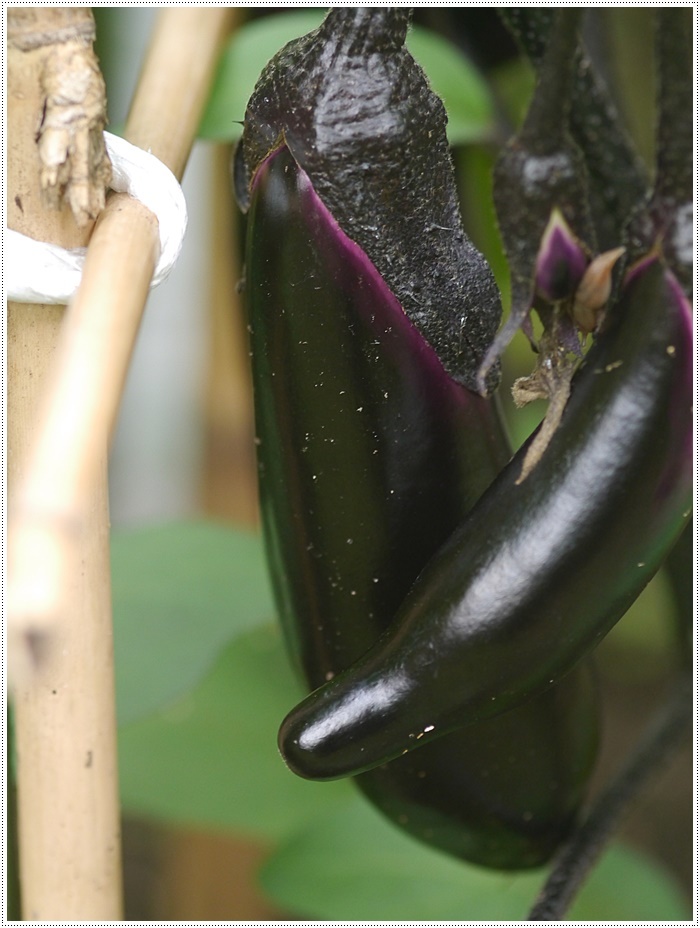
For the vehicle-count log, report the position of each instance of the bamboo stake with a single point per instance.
(58, 586)
(100, 329)
(57, 774)
(228, 396)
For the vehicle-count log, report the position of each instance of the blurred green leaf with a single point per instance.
(462, 89)
(514, 83)
(181, 592)
(628, 886)
(643, 643)
(353, 865)
(211, 759)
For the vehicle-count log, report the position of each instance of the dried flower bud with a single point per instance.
(594, 290)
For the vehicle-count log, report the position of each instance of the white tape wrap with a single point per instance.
(37, 272)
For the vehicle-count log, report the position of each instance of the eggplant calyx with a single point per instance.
(357, 115)
(572, 295)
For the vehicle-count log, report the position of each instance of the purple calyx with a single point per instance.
(561, 261)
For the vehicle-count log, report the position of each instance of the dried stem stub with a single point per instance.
(74, 166)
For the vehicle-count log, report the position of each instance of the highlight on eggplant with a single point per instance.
(504, 610)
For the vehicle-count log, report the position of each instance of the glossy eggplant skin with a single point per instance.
(369, 457)
(538, 571)
(364, 442)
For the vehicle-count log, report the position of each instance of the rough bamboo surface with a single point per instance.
(103, 320)
(64, 721)
(58, 590)
(57, 41)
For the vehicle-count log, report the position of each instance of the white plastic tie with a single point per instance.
(39, 272)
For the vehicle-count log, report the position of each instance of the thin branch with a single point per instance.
(547, 118)
(576, 858)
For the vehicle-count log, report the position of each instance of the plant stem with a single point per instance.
(548, 116)
(229, 447)
(13, 906)
(672, 203)
(674, 158)
(102, 322)
(617, 176)
(577, 857)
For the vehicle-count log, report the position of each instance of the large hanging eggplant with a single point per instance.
(370, 312)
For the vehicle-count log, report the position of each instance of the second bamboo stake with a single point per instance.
(65, 715)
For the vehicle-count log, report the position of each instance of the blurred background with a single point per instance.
(184, 444)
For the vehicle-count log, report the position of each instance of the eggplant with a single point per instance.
(540, 570)
(371, 447)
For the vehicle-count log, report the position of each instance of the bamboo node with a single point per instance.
(38, 600)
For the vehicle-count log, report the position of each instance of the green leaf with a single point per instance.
(642, 644)
(181, 592)
(462, 89)
(355, 866)
(628, 886)
(211, 759)
(246, 54)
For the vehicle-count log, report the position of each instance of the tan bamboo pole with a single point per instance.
(59, 544)
(46, 46)
(228, 395)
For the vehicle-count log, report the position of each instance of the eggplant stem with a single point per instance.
(577, 856)
(547, 118)
(674, 50)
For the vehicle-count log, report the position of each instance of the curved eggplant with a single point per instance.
(538, 571)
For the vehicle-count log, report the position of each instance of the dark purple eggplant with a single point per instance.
(370, 453)
(540, 570)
